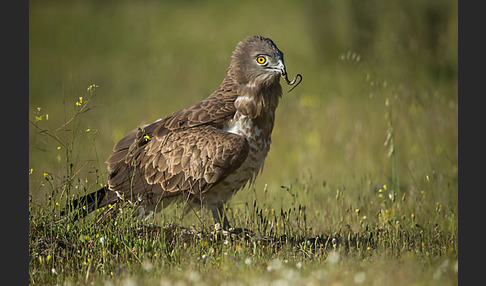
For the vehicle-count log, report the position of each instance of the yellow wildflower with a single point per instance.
(78, 103)
(92, 87)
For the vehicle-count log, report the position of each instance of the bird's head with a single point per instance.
(257, 61)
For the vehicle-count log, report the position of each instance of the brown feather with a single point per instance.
(213, 147)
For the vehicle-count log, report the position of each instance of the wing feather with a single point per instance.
(187, 161)
(215, 154)
(213, 110)
(185, 152)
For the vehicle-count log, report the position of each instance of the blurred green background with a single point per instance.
(151, 58)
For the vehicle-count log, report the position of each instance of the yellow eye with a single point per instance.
(261, 60)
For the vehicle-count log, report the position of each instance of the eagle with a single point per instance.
(206, 152)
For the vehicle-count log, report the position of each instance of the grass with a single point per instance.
(392, 247)
(360, 185)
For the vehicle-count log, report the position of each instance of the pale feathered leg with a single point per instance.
(218, 215)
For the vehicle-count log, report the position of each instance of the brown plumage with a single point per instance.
(206, 152)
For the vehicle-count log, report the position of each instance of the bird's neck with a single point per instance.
(255, 100)
(255, 106)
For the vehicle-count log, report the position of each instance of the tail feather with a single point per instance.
(82, 206)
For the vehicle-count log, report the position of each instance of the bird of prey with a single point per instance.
(206, 152)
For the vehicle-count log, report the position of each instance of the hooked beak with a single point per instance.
(283, 72)
(281, 68)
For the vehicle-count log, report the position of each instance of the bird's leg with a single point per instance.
(218, 215)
